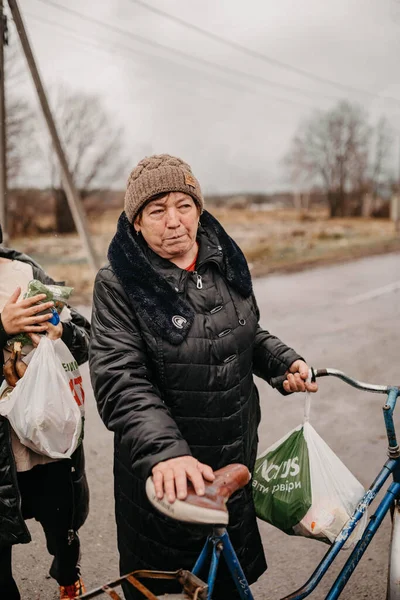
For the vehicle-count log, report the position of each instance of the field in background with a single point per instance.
(273, 240)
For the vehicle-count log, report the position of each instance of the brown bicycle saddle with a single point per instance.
(210, 508)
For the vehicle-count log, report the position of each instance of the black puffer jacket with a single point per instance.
(172, 358)
(12, 526)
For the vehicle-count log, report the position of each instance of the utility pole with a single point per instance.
(74, 200)
(398, 175)
(3, 137)
(395, 201)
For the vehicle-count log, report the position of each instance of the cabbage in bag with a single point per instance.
(59, 294)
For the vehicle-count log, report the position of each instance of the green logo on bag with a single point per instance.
(289, 468)
(281, 483)
(72, 366)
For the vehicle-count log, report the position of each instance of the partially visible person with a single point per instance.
(54, 492)
(175, 343)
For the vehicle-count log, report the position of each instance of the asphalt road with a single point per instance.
(344, 316)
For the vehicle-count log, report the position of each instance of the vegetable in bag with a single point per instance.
(59, 294)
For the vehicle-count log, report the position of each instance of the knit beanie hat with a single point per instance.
(155, 175)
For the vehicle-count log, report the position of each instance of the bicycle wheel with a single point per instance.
(393, 590)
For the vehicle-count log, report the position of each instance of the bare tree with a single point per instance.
(20, 118)
(332, 149)
(93, 146)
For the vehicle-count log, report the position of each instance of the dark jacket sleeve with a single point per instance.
(128, 399)
(3, 340)
(3, 335)
(271, 357)
(77, 331)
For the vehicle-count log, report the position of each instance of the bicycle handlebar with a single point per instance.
(368, 387)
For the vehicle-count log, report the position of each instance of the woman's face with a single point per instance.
(169, 224)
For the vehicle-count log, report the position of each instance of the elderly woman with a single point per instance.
(175, 344)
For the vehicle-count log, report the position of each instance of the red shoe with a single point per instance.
(72, 591)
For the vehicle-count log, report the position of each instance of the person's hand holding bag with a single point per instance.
(54, 332)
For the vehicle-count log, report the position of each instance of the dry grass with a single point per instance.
(288, 240)
(279, 240)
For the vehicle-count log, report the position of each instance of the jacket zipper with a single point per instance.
(211, 259)
(199, 281)
(197, 276)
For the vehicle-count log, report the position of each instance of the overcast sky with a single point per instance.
(233, 129)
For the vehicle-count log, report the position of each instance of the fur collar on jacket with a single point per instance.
(152, 296)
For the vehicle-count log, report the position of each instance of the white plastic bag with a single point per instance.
(72, 372)
(320, 493)
(43, 407)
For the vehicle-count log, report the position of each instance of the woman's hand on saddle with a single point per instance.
(170, 477)
(296, 378)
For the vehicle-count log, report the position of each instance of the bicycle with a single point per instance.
(211, 509)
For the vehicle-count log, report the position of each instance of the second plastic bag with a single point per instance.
(43, 407)
(301, 487)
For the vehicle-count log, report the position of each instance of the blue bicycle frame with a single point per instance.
(392, 466)
(218, 543)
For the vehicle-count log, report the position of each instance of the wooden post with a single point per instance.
(395, 211)
(306, 202)
(3, 137)
(297, 200)
(74, 200)
(366, 205)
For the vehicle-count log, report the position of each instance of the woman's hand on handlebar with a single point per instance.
(296, 378)
(170, 477)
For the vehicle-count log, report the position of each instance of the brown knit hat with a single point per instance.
(158, 174)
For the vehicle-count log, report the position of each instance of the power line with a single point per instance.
(256, 78)
(68, 31)
(259, 55)
(90, 43)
